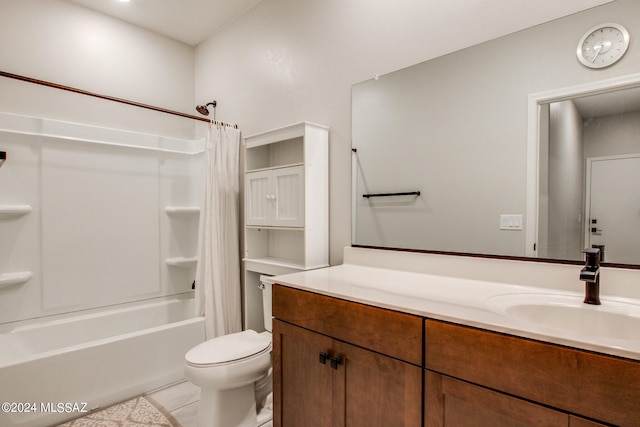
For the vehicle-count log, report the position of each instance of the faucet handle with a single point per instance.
(593, 257)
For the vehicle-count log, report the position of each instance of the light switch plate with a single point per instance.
(510, 222)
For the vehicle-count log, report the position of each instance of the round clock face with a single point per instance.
(603, 45)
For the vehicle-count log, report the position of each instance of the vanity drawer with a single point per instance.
(597, 386)
(394, 334)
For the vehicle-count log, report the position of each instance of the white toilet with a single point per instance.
(227, 369)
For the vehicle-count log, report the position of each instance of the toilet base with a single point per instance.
(227, 408)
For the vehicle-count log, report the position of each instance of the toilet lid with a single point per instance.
(228, 348)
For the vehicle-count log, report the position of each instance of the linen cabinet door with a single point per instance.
(454, 403)
(288, 197)
(372, 390)
(302, 384)
(259, 198)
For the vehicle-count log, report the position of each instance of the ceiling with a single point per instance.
(605, 104)
(192, 21)
(188, 21)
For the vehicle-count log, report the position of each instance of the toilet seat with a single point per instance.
(228, 349)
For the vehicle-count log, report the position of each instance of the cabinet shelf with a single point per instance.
(288, 165)
(182, 262)
(278, 262)
(10, 279)
(7, 211)
(270, 227)
(182, 210)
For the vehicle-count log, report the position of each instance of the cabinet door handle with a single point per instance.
(335, 361)
(323, 358)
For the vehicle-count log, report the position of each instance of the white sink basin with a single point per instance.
(612, 319)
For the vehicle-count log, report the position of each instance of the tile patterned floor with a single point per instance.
(181, 400)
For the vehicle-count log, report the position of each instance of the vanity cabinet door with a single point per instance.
(372, 370)
(450, 402)
(373, 390)
(302, 386)
(322, 382)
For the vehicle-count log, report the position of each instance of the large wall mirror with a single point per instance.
(508, 148)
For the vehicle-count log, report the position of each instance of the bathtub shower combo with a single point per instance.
(64, 368)
(99, 231)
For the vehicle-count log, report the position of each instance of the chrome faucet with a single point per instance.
(590, 274)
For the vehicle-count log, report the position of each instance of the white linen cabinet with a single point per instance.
(275, 197)
(286, 207)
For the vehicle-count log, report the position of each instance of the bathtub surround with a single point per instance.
(99, 228)
(218, 271)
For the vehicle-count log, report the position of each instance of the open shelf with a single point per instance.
(288, 165)
(182, 262)
(182, 210)
(10, 279)
(7, 211)
(278, 262)
(275, 154)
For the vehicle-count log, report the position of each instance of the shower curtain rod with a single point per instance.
(105, 97)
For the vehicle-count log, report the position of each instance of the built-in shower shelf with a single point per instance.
(7, 211)
(182, 210)
(10, 279)
(182, 262)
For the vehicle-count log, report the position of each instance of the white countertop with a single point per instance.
(454, 299)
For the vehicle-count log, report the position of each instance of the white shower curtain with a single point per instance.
(218, 271)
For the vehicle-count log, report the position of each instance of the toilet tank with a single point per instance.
(266, 284)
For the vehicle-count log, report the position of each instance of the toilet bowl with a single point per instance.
(228, 369)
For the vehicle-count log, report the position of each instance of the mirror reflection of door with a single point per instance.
(589, 149)
(613, 207)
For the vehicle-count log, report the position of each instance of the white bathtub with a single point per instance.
(53, 370)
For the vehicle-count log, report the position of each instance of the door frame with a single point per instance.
(535, 103)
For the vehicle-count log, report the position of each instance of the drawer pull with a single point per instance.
(335, 361)
(323, 358)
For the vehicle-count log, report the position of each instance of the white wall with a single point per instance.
(64, 43)
(612, 135)
(291, 60)
(566, 184)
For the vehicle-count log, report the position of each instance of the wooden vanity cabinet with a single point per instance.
(340, 363)
(480, 378)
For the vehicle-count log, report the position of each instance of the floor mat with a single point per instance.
(138, 412)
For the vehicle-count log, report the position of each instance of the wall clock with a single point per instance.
(603, 45)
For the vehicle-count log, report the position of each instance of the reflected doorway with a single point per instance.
(613, 207)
